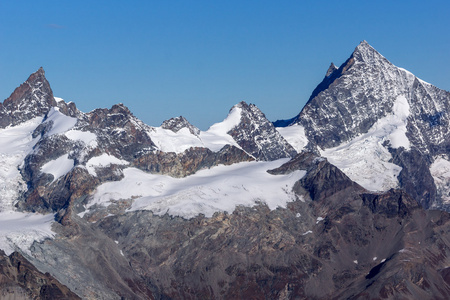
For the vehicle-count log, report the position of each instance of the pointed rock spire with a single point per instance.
(257, 135)
(367, 54)
(31, 99)
(331, 70)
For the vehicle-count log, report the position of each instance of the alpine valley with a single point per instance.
(347, 200)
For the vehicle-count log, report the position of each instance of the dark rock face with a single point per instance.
(190, 161)
(31, 99)
(118, 131)
(19, 279)
(415, 177)
(258, 137)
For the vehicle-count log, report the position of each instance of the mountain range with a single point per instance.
(349, 199)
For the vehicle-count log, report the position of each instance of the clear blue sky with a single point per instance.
(198, 58)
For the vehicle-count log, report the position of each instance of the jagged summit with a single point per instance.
(367, 54)
(381, 117)
(331, 70)
(258, 136)
(32, 98)
(178, 123)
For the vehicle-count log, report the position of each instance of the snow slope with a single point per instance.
(103, 160)
(365, 160)
(18, 229)
(61, 122)
(15, 143)
(58, 167)
(440, 170)
(221, 188)
(294, 135)
(215, 138)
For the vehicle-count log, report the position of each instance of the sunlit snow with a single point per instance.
(294, 135)
(17, 229)
(168, 141)
(440, 170)
(15, 143)
(221, 188)
(365, 160)
(61, 122)
(216, 136)
(103, 160)
(58, 167)
(20, 230)
(87, 137)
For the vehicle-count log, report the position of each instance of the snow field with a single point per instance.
(294, 135)
(365, 160)
(103, 160)
(215, 138)
(440, 170)
(19, 230)
(15, 143)
(221, 188)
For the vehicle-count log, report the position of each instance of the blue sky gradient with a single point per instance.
(163, 59)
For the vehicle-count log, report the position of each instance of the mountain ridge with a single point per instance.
(244, 209)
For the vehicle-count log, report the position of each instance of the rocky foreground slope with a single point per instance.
(334, 205)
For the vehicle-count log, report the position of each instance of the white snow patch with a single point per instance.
(365, 160)
(15, 143)
(168, 141)
(375, 258)
(298, 215)
(319, 219)
(396, 123)
(58, 167)
(308, 232)
(440, 170)
(383, 260)
(216, 136)
(57, 99)
(103, 160)
(19, 230)
(221, 188)
(355, 261)
(87, 137)
(294, 135)
(61, 122)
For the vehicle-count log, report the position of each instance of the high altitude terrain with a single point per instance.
(346, 200)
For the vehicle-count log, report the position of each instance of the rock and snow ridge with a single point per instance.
(373, 120)
(355, 117)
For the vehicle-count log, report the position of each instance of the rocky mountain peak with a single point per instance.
(178, 123)
(366, 53)
(32, 98)
(331, 70)
(258, 136)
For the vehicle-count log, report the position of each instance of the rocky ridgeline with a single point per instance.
(336, 241)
